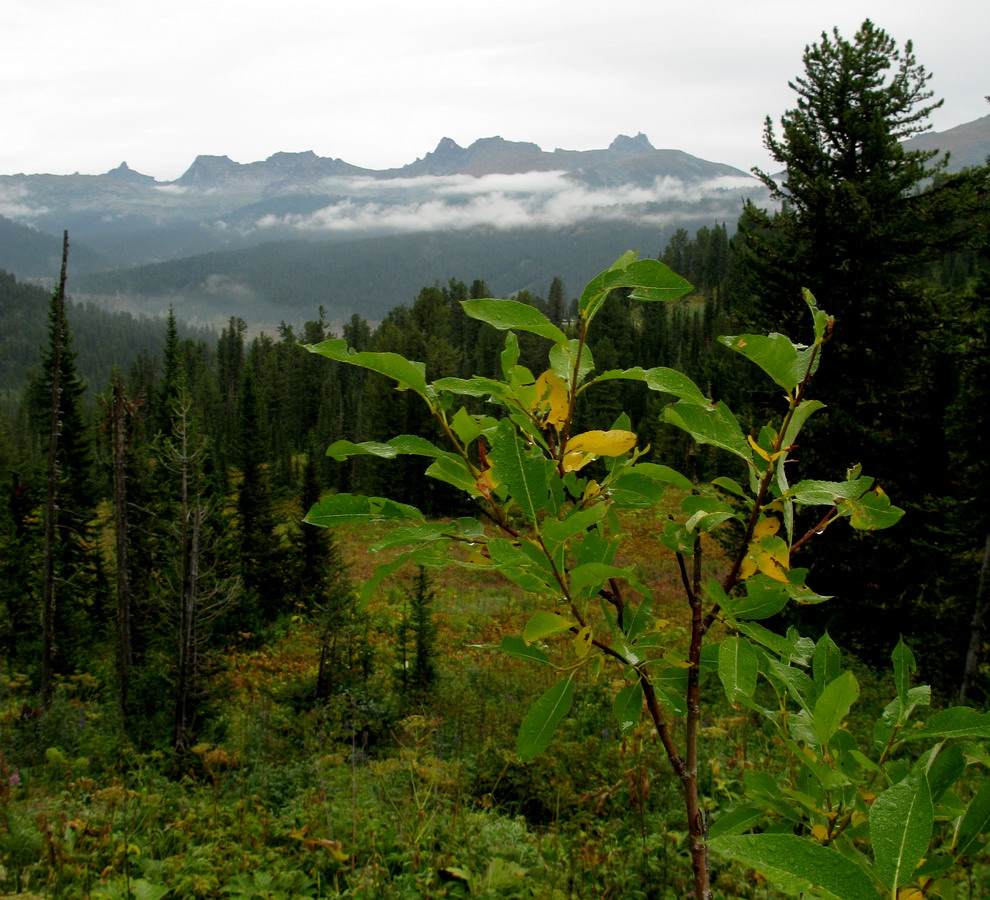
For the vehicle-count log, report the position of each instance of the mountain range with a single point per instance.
(277, 238)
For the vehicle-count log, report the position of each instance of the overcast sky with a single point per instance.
(86, 85)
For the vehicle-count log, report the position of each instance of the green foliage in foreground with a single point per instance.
(843, 817)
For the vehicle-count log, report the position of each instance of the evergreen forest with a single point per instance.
(202, 696)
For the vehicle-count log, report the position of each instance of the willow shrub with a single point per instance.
(843, 817)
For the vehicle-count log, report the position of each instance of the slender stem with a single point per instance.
(826, 520)
(572, 397)
(697, 832)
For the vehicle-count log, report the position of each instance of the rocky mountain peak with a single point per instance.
(629, 146)
(124, 172)
(209, 170)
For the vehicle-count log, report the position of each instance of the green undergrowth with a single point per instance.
(375, 794)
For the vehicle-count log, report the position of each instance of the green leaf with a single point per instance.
(413, 535)
(786, 363)
(828, 493)
(468, 427)
(451, 469)
(826, 664)
(901, 820)
(521, 469)
(871, 512)
(633, 489)
(516, 565)
(764, 597)
(818, 317)
(408, 374)
(943, 770)
(955, 722)
(670, 683)
(518, 648)
(738, 667)
(381, 573)
(636, 617)
(650, 280)
(664, 474)
(544, 624)
(709, 425)
(542, 719)
(896, 714)
(799, 686)
(801, 415)
(474, 387)
(562, 357)
(975, 825)
(628, 706)
(795, 865)
(736, 822)
(339, 509)
(786, 648)
(556, 531)
(731, 486)
(594, 574)
(833, 706)
(670, 381)
(508, 315)
(341, 450)
(403, 445)
(904, 668)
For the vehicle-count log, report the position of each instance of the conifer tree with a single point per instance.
(417, 634)
(859, 217)
(70, 602)
(556, 304)
(259, 552)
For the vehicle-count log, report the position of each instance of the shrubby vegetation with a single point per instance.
(250, 727)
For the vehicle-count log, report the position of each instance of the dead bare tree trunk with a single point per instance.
(199, 594)
(189, 522)
(193, 520)
(49, 594)
(977, 625)
(118, 418)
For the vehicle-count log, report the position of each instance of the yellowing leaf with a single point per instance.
(591, 489)
(758, 448)
(476, 556)
(819, 833)
(602, 443)
(773, 566)
(486, 483)
(767, 456)
(552, 401)
(910, 893)
(583, 448)
(769, 555)
(574, 461)
(582, 642)
(766, 528)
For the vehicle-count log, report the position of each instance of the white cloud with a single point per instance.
(533, 199)
(11, 205)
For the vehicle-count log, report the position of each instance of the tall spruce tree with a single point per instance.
(852, 219)
(70, 603)
(260, 555)
(860, 216)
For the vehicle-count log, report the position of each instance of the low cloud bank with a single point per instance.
(11, 205)
(534, 199)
